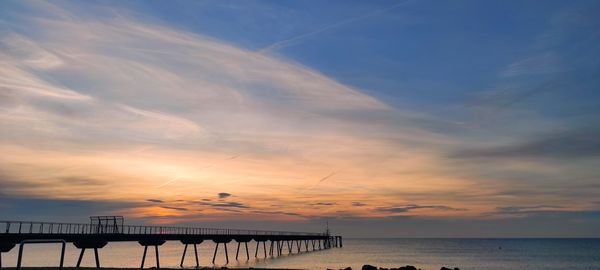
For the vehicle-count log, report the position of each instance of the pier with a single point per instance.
(105, 229)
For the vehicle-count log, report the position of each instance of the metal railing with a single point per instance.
(35, 227)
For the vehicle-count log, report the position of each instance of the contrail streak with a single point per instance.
(209, 166)
(327, 177)
(290, 41)
(169, 182)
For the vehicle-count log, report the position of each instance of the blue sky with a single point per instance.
(430, 53)
(422, 113)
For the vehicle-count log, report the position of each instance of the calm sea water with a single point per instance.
(424, 253)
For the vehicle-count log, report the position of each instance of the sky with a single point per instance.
(381, 118)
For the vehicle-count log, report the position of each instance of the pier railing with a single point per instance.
(34, 227)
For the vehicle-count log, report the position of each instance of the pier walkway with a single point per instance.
(104, 229)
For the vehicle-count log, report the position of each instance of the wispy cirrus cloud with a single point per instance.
(413, 207)
(520, 210)
(146, 104)
(293, 40)
(572, 144)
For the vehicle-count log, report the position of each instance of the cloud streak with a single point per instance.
(293, 40)
(413, 207)
(572, 144)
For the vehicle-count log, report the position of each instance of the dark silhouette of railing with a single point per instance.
(34, 227)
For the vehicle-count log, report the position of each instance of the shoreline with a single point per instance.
(364, 267)
(127, 268)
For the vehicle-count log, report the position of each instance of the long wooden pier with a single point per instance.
(104, 229)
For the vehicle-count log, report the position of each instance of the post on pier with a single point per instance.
(240, 240)
(42, 241)
(221, 240)
(191, 241)
(94, 244)
(263, 240)
(146, 244)
(280, 247)
(247, 254)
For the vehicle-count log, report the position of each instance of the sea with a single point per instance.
(466, 254)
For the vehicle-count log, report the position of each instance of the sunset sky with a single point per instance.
(402, 118)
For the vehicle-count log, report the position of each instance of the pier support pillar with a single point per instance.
(191, 241)
(223, 241)
(259, 240)
(183, 256)
(62, 243)
(92, 244)
(215, 254)
(154, 243)
(226, 254)
(195, 253)
(247, 254)
(278, 247)
(240, 240)
(81, 257)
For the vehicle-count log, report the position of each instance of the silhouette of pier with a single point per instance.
(104, 229)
